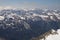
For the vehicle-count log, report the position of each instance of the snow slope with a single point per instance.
(54, 37)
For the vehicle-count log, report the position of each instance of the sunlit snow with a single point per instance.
(54, 37)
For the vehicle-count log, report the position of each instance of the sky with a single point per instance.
(51, 4)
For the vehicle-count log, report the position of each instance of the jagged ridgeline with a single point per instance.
(31, 24)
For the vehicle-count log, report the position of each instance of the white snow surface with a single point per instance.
(1, 17)
(54, 37)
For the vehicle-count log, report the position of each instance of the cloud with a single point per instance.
(7, 7)
(1, 8)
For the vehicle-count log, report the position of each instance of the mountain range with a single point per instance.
(24, 24)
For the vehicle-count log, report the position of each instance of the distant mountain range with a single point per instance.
(24, 24)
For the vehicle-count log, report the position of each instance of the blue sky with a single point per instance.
(52, 4)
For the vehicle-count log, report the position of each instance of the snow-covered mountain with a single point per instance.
(24, 24)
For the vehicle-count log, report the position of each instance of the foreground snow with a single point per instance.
(54, 37)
